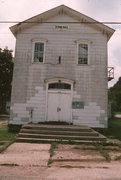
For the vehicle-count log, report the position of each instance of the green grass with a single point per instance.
(98, 147)
(114, 128)
(53, 146)
(118, 158)
(4, 146)
(103, 152)
(117, 113)
(106, 155)
(86, 147)
(5, 135)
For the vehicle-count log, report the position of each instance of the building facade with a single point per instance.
(60, 71)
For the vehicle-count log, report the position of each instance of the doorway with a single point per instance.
(59, 102)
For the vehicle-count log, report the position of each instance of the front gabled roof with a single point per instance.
(81, 18)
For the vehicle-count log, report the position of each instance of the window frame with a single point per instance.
(88, 55)
(58, 86)
(57, 80)
(34, 41)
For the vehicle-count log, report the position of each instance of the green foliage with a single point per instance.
(6, 135)
(49, 162)
(118, 158)
(114, 129)
(6, 71)
(103, 152)
(53, 146)
(114, 96)
(4, 146)
(85, 147)
(6, 138)
(106, 155)
(14, 128)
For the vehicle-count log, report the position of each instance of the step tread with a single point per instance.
(60, 136)
(53, 140)
(51, 133)
(57, 131)
(56, 126)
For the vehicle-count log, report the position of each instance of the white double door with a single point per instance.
(59, 106)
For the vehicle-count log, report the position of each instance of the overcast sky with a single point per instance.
(101, 10)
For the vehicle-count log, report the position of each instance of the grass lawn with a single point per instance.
(114, 128)
(117, 112)
(5, 135)
(6, 138)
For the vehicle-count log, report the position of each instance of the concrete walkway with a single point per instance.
(26, 161)
(118, 115)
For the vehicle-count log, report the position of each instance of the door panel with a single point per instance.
(59, 107)
(52, 106)
(65, 104)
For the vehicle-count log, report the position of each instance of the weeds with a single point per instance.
(71, 141)
(106, 155)
(107, 148)
(69, 166)
(103, 152)
(114, 129)
(5, 146)
(118, 158)
(2, 143)
(119, 145)
(9, 164)
(6, 137)
(85, 147)
(50, 161)
(53, 146)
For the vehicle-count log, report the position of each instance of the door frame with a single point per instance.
(57, 80)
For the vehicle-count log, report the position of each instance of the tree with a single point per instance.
(6, 72)
(114, 95)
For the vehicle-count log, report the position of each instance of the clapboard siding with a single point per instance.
(91, 80)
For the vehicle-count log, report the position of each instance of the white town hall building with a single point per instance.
(60, 71)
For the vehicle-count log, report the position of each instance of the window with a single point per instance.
(59, 86)
(83, 53)
(39, 52)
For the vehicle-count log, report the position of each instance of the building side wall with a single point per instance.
(29, 96)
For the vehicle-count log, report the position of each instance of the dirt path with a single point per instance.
(26, 161)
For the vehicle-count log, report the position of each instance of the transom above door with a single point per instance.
(59, 85)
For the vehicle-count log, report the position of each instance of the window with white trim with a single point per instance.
(83, 53)
(39, 48)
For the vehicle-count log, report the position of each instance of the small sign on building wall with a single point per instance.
(77, 105)
(61, 27)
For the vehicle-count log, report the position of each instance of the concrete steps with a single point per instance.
(59, 132)
(51, 133)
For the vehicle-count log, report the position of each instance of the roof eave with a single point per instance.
(81, 17)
